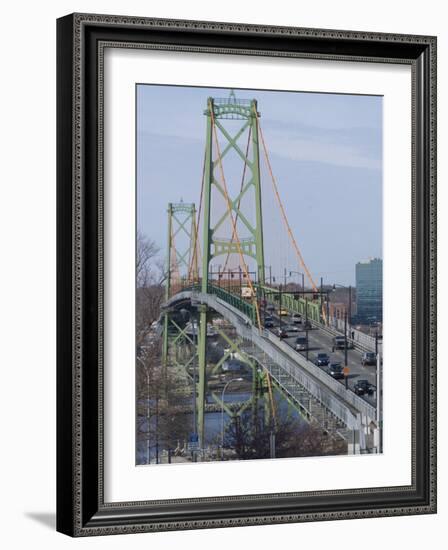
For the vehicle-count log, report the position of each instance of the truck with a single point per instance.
(339, 342)
(247, 292)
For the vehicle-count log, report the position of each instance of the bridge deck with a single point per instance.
(344, 405)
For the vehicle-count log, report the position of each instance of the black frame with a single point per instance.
(81, 510)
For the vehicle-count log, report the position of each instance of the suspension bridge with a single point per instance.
(237, 298)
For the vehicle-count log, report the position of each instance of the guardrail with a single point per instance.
(341, 402)
(290, 302)
(320, 384)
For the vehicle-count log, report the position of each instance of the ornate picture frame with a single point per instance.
(81, 506)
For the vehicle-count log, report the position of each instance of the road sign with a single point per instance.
(346, 370)
(193, 442)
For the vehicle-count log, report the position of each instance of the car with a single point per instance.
(322, 359)
(297, 318)
(363, 387)
(270, 307)
(291, 328)
(268, 322)
(368, 358)
(301, 343)
(283, 312)
(233, 365)
(282, 333)
(336, 371)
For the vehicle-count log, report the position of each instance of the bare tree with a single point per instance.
(250, 438)
(161, 418)
(146, 253)
(150, 290)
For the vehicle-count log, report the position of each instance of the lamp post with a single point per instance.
(346, 321)
(349, 300)
(345, 338)
(184, 314)
(349, 320)
(280, 289)
(222, 410)
(264, 270)
(306, 327)
(148, 413)
(303, 278)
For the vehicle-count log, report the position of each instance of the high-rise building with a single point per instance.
(369, 291)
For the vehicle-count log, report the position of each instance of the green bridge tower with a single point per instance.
(219, 111)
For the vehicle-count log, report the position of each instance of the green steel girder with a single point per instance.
(213, 245)
(228, 147)
(181, 333)
(292, 303)
(292, 402)
(234, 207)
(232, 144)
(181, 218)
(224, 247)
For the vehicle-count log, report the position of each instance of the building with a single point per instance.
(369, 291)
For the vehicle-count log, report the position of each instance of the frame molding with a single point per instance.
(81, 38)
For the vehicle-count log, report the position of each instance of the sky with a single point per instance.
(326, 155)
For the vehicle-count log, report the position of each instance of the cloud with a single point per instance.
(329, 148)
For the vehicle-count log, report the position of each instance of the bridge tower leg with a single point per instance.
(217, 112)
(180, 268)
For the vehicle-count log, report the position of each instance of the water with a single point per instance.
(213, 422)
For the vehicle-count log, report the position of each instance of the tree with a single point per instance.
(250, 438)
(161, 418)
(150, 290)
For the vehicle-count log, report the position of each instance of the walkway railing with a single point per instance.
(232, 299)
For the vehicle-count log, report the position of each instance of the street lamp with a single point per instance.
(303, 278)
(349, 300)
(184, 314)
(345, 317)
(222, 410)
(148, 414)
(263, 267)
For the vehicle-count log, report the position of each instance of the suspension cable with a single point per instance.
(285, 219)
(174, 265)
(195, 241)
(241, 190)
(282, 210)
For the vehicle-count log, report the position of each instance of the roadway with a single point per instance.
(322, 342)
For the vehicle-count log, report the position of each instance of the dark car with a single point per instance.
(269, 322)
(322, 359)
(363, 387)
(335, 370)
(368, 358)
